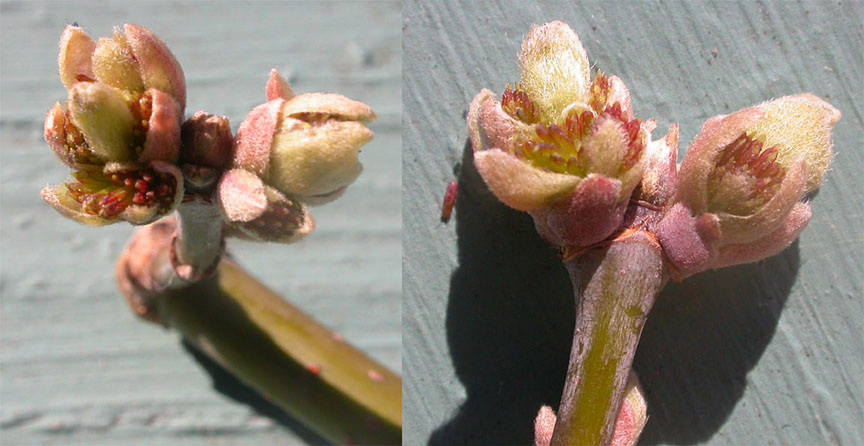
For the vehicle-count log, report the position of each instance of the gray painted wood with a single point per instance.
(768, 353)
(76, 367)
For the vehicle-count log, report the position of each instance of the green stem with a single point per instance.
(618, 286)
(199, 242)
(287, 356)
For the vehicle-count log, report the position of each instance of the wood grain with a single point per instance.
(76, 367)
(768, 353)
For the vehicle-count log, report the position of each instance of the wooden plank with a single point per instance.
(761, 354)
(76, 367)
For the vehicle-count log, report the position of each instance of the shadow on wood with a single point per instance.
(702, 338)
(227, 384)
(510, 317)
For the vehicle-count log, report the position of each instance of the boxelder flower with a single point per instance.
(120, 130)
(288, 151)
(742, 183)
(560, 145)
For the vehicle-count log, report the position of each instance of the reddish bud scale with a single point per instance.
(84, 78)
(518, 105)
(449, 201)
(279, 221)
(109, 195)
(745, 156)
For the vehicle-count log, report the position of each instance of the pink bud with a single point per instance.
(690, 243)
(133, 62)
(159, 68)
(76, 49)
(277, 87)
(751, 168)
(259, 212)
(103, 195)
(306, 147)
(207, 140)
(162, 141)
(592, 213)
(255, 137)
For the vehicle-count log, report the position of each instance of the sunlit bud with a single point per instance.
(133, 60)
(751, 167)
(207, 140)
(553, 131)
(103, 195)
(555, 69)
(749, 171)
(277, 87)
(76, 50)
(260, 212)
(306, 147)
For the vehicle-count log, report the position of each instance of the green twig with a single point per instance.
(617, 286)
(287, 356)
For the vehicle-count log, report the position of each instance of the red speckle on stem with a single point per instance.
(375, 376)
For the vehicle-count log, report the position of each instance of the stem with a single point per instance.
(287, 356)
(199, 242)
(618, 286)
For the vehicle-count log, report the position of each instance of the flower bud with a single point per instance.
(76, 49)
(661, 172)
(277, 87)
(103, 195)
(749, 171)
(120, 130)
(104, 119)
(260, 212)
(305, 147)
(553, 131)
(555, 69)
(132, 62)
(207, 140)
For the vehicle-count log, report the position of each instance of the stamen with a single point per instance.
(107, 195)
(600, 88)
(745, 156)
(518, 105)
(279, 221)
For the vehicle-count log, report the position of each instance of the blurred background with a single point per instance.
(767, 353)
(75, 366)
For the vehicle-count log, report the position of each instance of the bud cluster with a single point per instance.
(121, 131)
(289, 151)
(567, 149)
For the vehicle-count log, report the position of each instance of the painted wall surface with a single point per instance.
(767, 353)
(75, 366)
